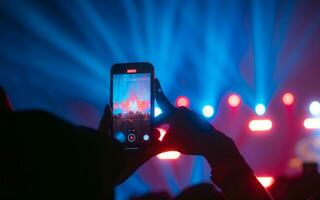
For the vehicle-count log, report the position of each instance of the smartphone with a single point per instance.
(132, 102)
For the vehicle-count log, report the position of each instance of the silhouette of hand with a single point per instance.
(189, 132)
(132, 159)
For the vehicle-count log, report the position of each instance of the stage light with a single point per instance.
(208, 111)
(182, 101)
(312, 123)
(169, 155)
(157, 111)
(288, 99)
(314, 108)
(260, 125)
(260, 109)
(266, 181)
(234, 100)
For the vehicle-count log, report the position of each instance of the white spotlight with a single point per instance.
(260, 109)
(208, 111)
(314, 108)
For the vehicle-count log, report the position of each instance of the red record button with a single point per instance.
(131, 137)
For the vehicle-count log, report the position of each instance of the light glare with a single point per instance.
(314, 108)
(288, 99)
(234, 100)
(260, 109)
(157, 111)
(208, 111)
(162, 133)
(183, 101)
(260, 125)
(169, 155)
(312, 123)
(266, 181)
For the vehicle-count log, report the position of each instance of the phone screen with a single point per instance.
(131, 103)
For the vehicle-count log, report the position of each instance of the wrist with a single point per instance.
(219, 148)
(224, 159)
(221, 152)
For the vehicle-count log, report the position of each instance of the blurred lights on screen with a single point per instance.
(312, 123)
(182, 101)
(295, 163)
(314, 108)
(288, 99)
(169, 155)
(208, 111)
(234, 100)
(266, 181)
(260, 109)
(260, 125)
(157, 111)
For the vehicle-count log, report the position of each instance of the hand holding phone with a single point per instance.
(132, 103)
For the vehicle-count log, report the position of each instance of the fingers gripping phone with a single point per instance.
(132, 102)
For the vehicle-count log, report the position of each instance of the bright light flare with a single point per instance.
(234, 100)
(157, 111)
(162, 133)
(169, 155)
(260, 125)
(288, 99)
(260, 109)
(208, 111)
(312, 123)
(314, 108)
(182, 101)
(266, 181)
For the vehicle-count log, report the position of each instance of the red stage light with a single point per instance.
(260, 125)
(266, 181)
(182, 101)
(234, 100)
(288, 99)
(169, 155)
(312, 123)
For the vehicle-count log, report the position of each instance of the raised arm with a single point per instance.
(191, 134)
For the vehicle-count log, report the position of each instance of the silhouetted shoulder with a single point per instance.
(44, 154)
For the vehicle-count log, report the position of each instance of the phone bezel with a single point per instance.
(141, 67)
